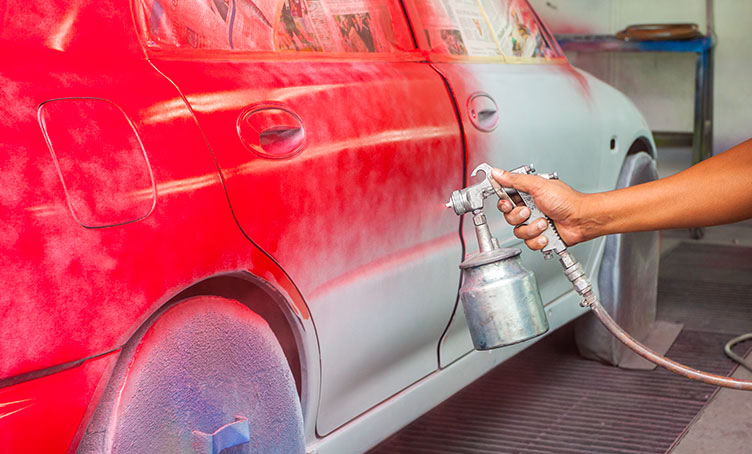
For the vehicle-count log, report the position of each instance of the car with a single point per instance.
(225, 222)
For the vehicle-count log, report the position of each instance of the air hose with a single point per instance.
(582, 285)
(653, 357)
(730, 353)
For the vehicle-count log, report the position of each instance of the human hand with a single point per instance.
(562, 204)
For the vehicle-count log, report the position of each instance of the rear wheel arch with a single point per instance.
(264, 301)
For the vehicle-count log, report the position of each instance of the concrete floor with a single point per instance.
(724, 426)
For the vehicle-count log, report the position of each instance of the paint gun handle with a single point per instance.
(555, 244)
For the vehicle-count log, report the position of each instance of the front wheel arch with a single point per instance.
(642, 145)
(628, 275)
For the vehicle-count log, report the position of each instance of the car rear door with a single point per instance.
(338, 148)
(520, 102)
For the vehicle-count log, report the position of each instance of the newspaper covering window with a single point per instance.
(456, 27)
(483, 28)
(209, 24)
(335, 26)
(364, 26)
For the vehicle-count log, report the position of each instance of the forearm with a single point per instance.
(715, 191)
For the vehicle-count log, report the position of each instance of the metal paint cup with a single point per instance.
(501, 299)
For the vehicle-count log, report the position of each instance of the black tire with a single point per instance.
(203, 363)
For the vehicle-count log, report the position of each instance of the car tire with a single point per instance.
(205, 364)
(627, 280)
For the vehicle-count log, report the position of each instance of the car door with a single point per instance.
(338, 149)
(520, 102)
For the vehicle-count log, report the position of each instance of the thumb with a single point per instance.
(520, 181)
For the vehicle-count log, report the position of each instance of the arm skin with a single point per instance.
(715, 191)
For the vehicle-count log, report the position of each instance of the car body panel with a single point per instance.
(77, 280)
(533, 100)
(619, 119)
(36, 417)
(357, 218)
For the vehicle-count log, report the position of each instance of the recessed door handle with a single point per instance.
(483, 112)
(271, 130)
(281, 136)
(484, 116)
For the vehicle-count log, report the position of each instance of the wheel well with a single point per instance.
(641, 144)
(262, 299)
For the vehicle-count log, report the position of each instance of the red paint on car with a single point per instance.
(71, 292)
(41, 416)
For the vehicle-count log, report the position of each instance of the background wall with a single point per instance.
(662, 85)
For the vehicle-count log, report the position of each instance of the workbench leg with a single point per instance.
(702, 138)
(709, 93)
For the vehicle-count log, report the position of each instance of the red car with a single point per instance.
(224, 221)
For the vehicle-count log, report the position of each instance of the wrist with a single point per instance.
(594, 217)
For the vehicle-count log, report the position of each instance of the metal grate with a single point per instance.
(708, 288)
(549, 400)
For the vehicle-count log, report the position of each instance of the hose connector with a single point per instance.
(576, 275)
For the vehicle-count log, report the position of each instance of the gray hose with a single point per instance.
(673, 366)
(734, 356)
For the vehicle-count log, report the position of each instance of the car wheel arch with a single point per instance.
(260, 297)
(642, 143)
(263, 298)
(626, 275)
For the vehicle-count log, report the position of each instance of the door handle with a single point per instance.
(483, 112)
(279, 135)
(271, 130)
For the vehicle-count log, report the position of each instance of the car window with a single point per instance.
(484, 28)
(334, 26)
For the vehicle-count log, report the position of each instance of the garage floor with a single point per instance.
(549, 400)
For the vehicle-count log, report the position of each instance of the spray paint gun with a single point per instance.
(500, 297)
